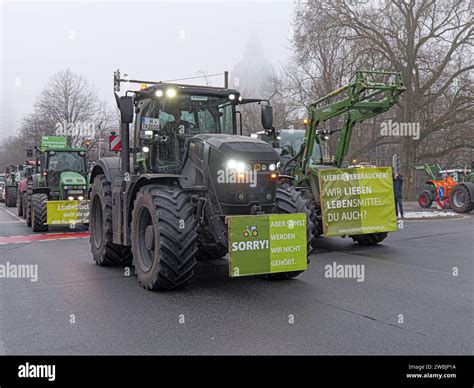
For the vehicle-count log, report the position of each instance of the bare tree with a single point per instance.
(428, 41)
(67, 106)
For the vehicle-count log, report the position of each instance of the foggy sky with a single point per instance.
(154, 40)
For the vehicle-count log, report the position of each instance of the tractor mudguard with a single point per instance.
(109, 166)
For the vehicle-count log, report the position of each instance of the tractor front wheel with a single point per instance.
(164, 237)
(19, 204)
(29, 194)
(290, 201)
(369, 239)
(39, 212)
(425, 199)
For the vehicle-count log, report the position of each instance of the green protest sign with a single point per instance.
(357, 201)
(268, 243)
(53, 142)
(67, 212)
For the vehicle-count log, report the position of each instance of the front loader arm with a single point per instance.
(362, 100)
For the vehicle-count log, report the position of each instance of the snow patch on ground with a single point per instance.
(430, 214)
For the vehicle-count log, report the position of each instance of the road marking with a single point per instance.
(18, 218)
(42, 237)
(10, 222)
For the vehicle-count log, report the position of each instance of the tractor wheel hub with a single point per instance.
(149, 237)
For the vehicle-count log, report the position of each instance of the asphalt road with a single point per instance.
(410, 302)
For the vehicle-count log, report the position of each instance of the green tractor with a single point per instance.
(358, 101)
(13, 175)
(166, 202)
(60, 175)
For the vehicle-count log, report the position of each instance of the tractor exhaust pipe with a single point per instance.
(125, 105)
(125, 152)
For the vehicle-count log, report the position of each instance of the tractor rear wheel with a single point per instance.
(425, 199)
(461, 201)
(19, 204)
(369, 239)
(39, 212)
(290, 201)
(104, 251)
(164, 237)
(10, 200)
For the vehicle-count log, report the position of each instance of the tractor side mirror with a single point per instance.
(125, 105)
(29, 153)
(267, 116)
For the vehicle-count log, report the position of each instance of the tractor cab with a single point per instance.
(168, 116)
(62, 172)
(288, 143)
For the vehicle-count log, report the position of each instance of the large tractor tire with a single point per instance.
(10, 196)
(164, 237)
(315, 216)
(29, 194)
(425, 199)
(369, 239)
(24, 200)
(290, 201)
(19, 204)
(39, 212)
(461, 200)
(104, 251)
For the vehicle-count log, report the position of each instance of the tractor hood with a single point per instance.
(70, 178)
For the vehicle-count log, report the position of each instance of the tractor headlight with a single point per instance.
(71, 198)
(66, 187)
(171, 92)
(272, 167)
(80, 198)
(239, 166)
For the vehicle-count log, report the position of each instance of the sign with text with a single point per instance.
(67, 212)
(53, 142)
(357, 201)
(270, 243)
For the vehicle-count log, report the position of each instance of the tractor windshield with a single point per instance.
(290, 142)
(166, 125)
(66, 161)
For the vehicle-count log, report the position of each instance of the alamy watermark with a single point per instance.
(19, 271)
(345, 271)
(398, 129)
(81, 129)
(232, 176)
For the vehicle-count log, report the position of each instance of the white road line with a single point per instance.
(18, 218)
(67, 238)
(10, 222)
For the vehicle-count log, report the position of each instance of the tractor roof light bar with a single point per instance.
(118, 80)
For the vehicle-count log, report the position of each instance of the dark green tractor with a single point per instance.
(60, 175)
(166, 201)
(13, 175)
